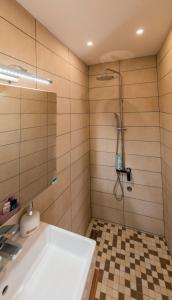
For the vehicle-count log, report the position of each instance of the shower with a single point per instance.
(120, 153)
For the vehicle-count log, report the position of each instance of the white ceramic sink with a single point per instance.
(54, 265)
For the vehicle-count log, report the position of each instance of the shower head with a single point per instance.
(106, 76)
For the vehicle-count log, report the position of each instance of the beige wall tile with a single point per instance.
(52, 63)
(78, 167)
(111, 92)
(33, 160)
(33, 189)
(78, 63)
(63, 124)
(78, 76)
(78, 91)
(9, 170)
(166, 121)
(144, 163)
(149, 209)
(63, 144)
(103, 132)
(10, 137)
(9, 122)
(9, 152)
(104, 106)
(142, 119)
(104, 199)
(165, 103)
(102, 119)
(79, 121)
(48, 196)
(102, 158)
(103, 145)
(165, 46)
(33, 133)
(56, 210)
(165, 65)
(104, 172)
(33, 107)
(66, 222)
(143, 148)
(165, 84)
(17, 15)
(102, 185)
(79, 183)
(32, 146)
(141, 104)
(33, 120)
(140, 76)
(138, 63)
(9, 187)
(109, 214)
(80, 222)
(9, 105)
(50, 41)
(147, 193)
(79, 201)
(32, 175)
(143, 134)
(79, 106)
(63, 162)
(79, 136)
(80, 150)
(140, 90)
(18, 44)
(148, 224)
(63, 106)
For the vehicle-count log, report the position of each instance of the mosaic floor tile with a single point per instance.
(132, 264)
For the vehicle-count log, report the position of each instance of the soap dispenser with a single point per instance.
(30, 221)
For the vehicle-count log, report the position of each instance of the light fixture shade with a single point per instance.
(16, 74)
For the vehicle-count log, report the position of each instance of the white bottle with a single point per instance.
(30, 221)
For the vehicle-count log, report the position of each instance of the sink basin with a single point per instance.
(54, 264)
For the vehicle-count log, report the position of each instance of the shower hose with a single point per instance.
(118, 184)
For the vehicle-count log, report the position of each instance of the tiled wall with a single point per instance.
(143, 207)
(165, 101)
(25, 42)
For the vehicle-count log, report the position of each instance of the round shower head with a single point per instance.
(104, 77)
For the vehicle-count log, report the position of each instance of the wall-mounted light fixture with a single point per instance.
(14, 73)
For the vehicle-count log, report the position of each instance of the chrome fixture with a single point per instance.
(14, 73)
(8, 248)
(120, 153)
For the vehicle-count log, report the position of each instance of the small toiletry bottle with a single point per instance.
(6, 207)
(30, 221)
(13, 202)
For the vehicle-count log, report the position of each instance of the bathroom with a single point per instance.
(85, 148)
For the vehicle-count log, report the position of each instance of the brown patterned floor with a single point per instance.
(132, 264)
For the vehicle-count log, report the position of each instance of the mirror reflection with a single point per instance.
(27, 146)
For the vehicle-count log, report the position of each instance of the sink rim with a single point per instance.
(34, 240)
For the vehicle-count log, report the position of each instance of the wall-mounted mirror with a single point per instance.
(27, 146)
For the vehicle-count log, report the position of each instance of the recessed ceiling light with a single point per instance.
(89, 44)
(139, 31)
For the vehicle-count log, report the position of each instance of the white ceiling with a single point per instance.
(110, 24)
